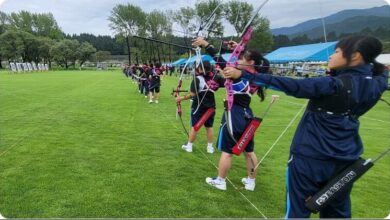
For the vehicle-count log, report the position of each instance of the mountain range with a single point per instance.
(347, 21)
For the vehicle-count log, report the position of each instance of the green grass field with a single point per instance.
(86, 144)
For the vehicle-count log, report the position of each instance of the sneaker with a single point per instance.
(249, 185)
(219, 184)
(210, 149)
(156, 101)
(186, 148)
(150, 101)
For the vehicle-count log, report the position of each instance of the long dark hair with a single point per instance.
(369, 47)
(261, 65)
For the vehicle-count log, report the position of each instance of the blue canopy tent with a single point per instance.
(226, 56)
(179, 62)
(204, 58)
(302, 53)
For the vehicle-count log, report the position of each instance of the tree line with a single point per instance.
(30, 37)
(36, 37)
(128, 20)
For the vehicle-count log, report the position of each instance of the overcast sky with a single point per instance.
(90, 16)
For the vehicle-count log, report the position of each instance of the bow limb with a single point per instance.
(204, 26)
(179, 113)
(233, 61)
(177, 94)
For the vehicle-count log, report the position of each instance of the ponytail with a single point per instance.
(369, 47)
(261, 65)
(377, 68)
(264, 67)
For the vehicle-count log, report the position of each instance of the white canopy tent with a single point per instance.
(384, 59)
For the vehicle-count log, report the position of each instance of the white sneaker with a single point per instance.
(186, 148)
(210, 149)
(249, 184)
(156, 101)
(150, 101)
(221, 185)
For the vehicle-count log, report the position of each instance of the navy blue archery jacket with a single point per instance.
(321, 135)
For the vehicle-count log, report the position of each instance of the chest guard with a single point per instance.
(337, 104)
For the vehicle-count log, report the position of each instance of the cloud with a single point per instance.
(90, 16)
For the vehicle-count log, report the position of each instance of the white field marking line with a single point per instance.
(165, 116)
(373, 119)
(281, 135)
(1, 217)
(292, 103)
(365, 117)
(16, 143)
(208, 159)
(33, 131)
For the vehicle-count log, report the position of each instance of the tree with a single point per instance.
(17, 44)
(299, 40)
(102, 56)
(127, 20)
(20, 44)
(9, 45)
(105, 43)
(280, 41)
(367, 31)
(65, 51)
(29, 45)
(45, 45)
(74, 46)
(238, 14)
(45, 25)
(262, 37)
(22, 21)
(331, 36)
(86, 51)
(185, 18)
(38, 24)
(158, 24)
(4, 23)
(204, 10)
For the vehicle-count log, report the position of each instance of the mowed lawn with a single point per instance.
(86, 144)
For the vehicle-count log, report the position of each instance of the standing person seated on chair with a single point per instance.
(202, 93)
(327, 139)
(155, 82)
(241, 116)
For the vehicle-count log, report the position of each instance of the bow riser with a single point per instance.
(233, 62)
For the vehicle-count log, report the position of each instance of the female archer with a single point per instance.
(327, 139)
(203, 106)
(241, 115)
